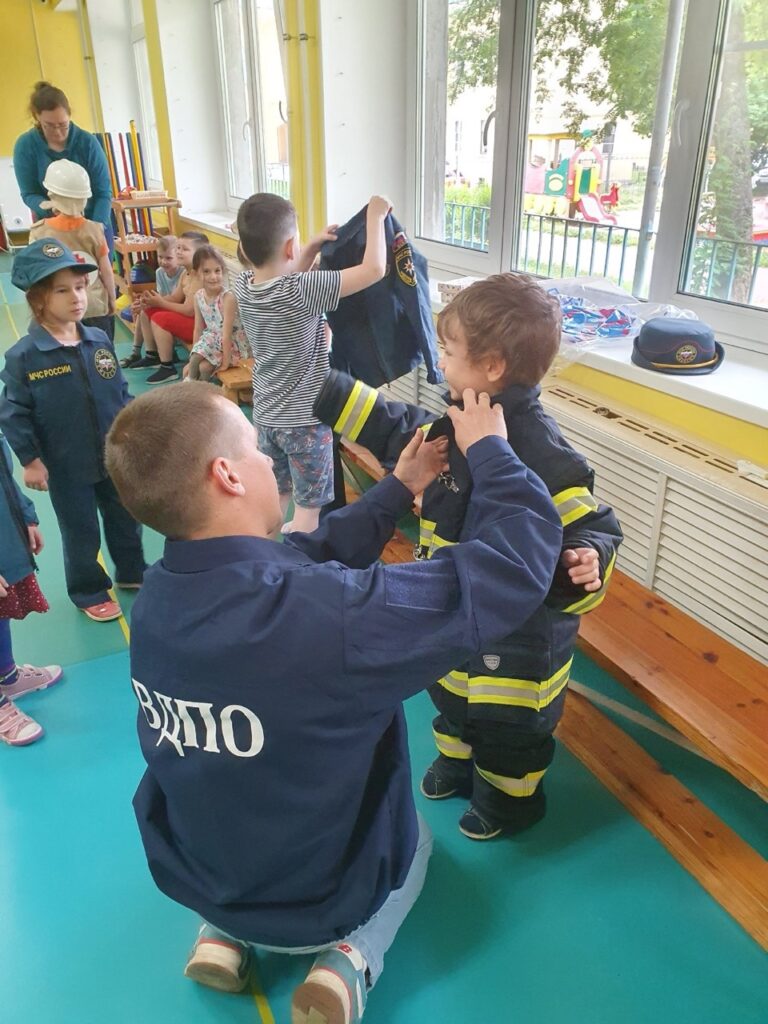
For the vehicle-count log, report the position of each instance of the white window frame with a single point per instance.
(700, 59)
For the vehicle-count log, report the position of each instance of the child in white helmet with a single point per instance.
(68, 187)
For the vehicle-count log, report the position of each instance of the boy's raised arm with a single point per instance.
(374, 265)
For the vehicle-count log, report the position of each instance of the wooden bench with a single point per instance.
(236, 382)
(713, 693)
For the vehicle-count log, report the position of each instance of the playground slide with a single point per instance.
(593, 210)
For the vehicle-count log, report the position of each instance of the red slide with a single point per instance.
(593, 210)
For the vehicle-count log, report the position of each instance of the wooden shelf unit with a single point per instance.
(122, 209)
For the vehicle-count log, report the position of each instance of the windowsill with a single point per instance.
(738, 388)
(213, 220)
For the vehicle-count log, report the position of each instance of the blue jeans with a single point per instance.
(373, 938)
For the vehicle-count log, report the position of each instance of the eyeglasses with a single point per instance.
(60, 126)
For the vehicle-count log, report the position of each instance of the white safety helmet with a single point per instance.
(65, 178)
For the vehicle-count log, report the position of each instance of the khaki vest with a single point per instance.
(86, 239)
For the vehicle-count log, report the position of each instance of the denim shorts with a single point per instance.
(302, 460)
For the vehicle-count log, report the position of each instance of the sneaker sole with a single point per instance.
(317, 1003)
(25, 743)
(102, 618)
(34, 689)
(168, 380)
(480, 838)
(215, 976)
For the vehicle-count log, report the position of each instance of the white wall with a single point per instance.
(365, 86)
(191, 85)
(113, 59)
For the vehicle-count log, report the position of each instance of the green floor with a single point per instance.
(586, 920)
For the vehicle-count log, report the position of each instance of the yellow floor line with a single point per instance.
(122, 620)
(11, 320)
(260, 999)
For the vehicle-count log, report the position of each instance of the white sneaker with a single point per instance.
(335, 990)
(218, 964)
(16, 728)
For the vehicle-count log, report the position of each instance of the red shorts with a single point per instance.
(179, 325)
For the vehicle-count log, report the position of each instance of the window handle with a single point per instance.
(681, 108)
(246, 124)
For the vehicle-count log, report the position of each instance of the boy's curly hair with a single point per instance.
(508, 315)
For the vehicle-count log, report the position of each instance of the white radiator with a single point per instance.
(695, 531)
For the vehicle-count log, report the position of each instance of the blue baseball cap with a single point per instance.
(41, 259)
(674, 345)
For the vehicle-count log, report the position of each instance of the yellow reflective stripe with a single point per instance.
(452, 746)
(574, 503)
(455, 682)
(525, 693)
(357, 406)
(526, 786)
(591, 601)
(426, 530)
(360, 422)
(440, 542)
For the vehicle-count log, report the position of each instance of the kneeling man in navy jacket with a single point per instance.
(277, 800)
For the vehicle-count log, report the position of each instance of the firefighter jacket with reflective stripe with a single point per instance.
(277, 800)
(384, 331)
(523, 678)
(59, 401)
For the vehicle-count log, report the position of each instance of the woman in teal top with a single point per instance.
(55, 137)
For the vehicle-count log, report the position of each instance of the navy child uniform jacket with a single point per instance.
(59, 402)
(16, 513)
(384, 331)
(277, 800)
(522, 679)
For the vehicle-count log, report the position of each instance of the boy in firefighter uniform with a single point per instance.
(498, 711)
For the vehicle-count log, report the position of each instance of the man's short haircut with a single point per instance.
(207, 252)
(196, 236)
(159, 449)
(264, 223)
(508, 315)
(165, 243)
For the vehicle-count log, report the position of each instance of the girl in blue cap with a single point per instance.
(63, 388)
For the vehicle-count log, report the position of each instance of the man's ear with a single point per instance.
(225, 477)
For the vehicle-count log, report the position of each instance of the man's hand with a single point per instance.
(421, 462)
(583, 565)
(36, 476)
(35, 539)
(3, 586)
(477, 420)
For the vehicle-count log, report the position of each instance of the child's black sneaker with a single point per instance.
(151, 359)
(164, 375)
(475, 826)
(132, 361)
(447, 776)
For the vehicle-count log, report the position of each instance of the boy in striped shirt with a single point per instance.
(282, 303)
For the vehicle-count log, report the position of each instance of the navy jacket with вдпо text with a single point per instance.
(384, 331)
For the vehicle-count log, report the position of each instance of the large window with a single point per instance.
(251, 76)
(617, 139)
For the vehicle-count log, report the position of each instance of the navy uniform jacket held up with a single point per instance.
(59, 401)
(384, 331)
(277, 799)
(526, 685)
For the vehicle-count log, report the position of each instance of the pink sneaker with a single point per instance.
(16, 728)
(30, 679)
(105, 612)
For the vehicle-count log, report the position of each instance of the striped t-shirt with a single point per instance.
(282, 318)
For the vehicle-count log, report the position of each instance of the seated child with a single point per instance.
(497, 712)
(219, 340)
(282, 307)
(172, 316)
(68, 187)
(167, 279)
